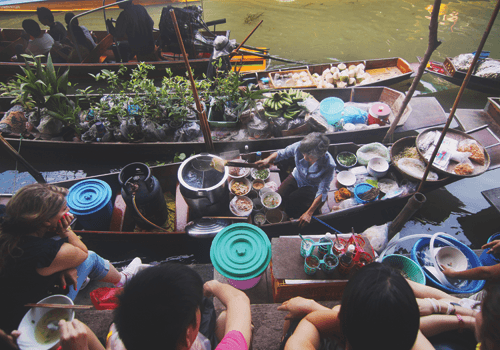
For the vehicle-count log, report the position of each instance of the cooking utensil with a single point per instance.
(219, 164)
(61, 306)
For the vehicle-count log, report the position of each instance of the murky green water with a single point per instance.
(317, 31)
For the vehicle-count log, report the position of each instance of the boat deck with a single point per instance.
(493, 197)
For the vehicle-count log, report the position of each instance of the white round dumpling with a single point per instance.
(341, 66)
(352, 67)
(315, 75)
(352, 81)
(303, 74)
(329, 86)
(351, 73)
(329, 78)
(336, 76)
(360, 66)
(334, 70)
(325, 72)
(341, 84)
(296, 77)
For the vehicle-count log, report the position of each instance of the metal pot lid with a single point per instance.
(206, 228)
(88, 196)
(241, 251)
(380, 110)
(193, 176)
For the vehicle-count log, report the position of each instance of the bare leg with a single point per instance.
(113, 276)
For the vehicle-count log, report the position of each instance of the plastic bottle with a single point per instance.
(325, 249)
(90, 115)
(258, 156)
(346, 263)
(100, 130)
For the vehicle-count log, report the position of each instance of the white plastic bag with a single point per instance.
(378, 236)
(371, 150)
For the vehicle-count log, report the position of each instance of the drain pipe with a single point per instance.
(414, 203)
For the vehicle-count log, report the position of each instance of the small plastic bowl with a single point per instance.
(344, 166)
(259, 183)
(245, 181)
(377, 167)
(254, 174)
(409, 269)
(30, 320)
(346, 178)
(362, 188)
(452, 257)
(237, 212)
(274, 216)
(275, 196)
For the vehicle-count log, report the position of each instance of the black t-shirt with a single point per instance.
(21, 284)
(57, 31)
(135, 23)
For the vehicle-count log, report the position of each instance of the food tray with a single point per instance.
(298, 71)
(459, 136)
(398, 147)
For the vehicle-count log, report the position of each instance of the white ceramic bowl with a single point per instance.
(245, 181)
(346, 178)
(259, 183)
(254, 171)
(239, 212)
(378, 167)
(243, 172)
(31, 319)
(451, 257)
(267, 196)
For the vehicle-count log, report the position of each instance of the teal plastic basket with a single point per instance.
(411, 270)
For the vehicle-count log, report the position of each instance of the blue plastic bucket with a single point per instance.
(490, 259)
(472, 286)
(362, 188)
(331, 109)
(90, 202)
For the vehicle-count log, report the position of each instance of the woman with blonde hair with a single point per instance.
(40, 254)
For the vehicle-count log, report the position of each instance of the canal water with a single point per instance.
(317, 31)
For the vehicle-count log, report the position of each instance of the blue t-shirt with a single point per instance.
(319, 175)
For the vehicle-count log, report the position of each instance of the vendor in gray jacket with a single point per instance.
(306, 188)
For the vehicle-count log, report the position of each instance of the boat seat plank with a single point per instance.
(471, 119)
(426, 112)
(493, 197)
(99, 50)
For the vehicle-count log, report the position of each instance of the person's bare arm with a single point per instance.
(64, 231)
(476, 273)
(308, 333)
(266, 162)
(239, 317)
(422, 343)
(307, 216)
(298, 307)
(436, 324)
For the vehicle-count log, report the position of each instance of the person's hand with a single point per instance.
(208, 288)
(263, 163)
(297, 307)
(73, 335)
(63, 224)
(10, 339)
(305, 219)
(69, 277)
(448, 271)
(494, 245)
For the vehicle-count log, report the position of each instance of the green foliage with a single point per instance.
(41, 86)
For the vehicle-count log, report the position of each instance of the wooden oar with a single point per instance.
(35, 173)
(61, 306)
(244, 41)
(205, 127)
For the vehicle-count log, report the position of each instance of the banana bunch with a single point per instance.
(284, 104)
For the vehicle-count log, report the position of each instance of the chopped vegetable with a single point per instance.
(346, 159)
(261, 174)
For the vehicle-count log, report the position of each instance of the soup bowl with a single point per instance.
(33, 327)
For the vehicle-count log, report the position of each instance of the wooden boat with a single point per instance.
(123, 232)
(102, 57)
(66, 5)
(383, 71)
(447, 71)
(421, 113)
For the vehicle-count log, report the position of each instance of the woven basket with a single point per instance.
(411, 269)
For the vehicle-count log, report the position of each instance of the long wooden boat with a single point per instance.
(447, 71)
(421, 113)
(102, 57)
(383, 71)
(123, 232)
(67, 5)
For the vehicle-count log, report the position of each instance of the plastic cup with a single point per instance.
(305, 247)
(311, 264)
(329, 264)
(325, 249)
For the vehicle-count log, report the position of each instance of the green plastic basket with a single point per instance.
(411, 270)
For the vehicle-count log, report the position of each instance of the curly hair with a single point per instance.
(314, 144)
(26, 212)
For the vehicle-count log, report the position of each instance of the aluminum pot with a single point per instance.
(204, 189)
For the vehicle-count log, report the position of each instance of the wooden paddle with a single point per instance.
(61, 306)
(219, 164)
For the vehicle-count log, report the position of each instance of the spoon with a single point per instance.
(53, 326)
